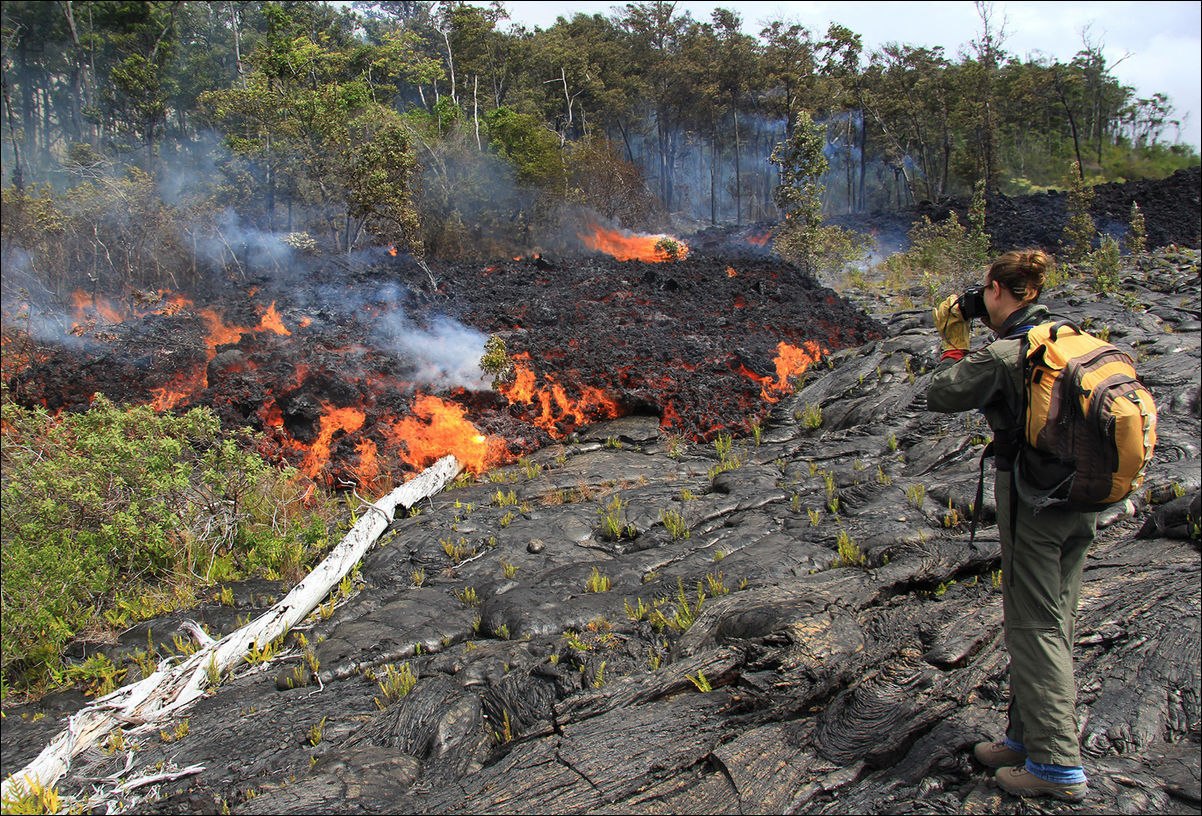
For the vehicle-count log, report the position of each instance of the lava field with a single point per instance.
(366, 371)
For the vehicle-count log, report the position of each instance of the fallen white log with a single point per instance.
(172, 687)
(154, 779)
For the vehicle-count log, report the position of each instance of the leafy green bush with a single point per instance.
(1137, 236)
(802, 164)
(117, 514)
(1124, 162)
(825, 251)
(495, 360)
(1104, 265)
(532, 149)
(600, 179)
(1080, 230)
(118, 229)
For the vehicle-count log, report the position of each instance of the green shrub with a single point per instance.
(597, 582)
(117, 514)
(811, 416)
(827, 251)
(727, 460)
(675, 524)
(495, 360)
(850, 554)
(1104, 266)
(613, 521)
(1137, 237)
(683, 611)
(723, 444)
(1080, 230)
(397, 682)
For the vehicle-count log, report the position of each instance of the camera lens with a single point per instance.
(972, 303)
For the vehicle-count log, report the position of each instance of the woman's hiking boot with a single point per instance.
(1021, 782)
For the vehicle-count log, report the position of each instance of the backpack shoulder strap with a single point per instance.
(1019, 331)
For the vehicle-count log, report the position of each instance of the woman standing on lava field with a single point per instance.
(1042, 555)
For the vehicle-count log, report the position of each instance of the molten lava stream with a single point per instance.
(181, 387)
(331, 421)
(635, 246)
(436, 427)
(555, 409)
(97, 305)
(185, 385)
(271, 321)
(369, 462)
(790, 361)
(670, 418)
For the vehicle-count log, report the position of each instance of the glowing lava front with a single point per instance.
(437, 427)
(557, 413)
(790, 361)
(635, 246)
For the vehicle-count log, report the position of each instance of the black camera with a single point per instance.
(972, 303)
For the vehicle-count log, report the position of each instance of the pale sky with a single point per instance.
(1154, 47)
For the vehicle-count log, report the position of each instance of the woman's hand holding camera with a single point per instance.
(953, 328)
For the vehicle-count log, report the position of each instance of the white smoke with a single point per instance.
(446, 353)
(26, 305)
(233, 242)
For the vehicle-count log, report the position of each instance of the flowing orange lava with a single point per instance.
(271, 322)
(183, 385)
(271, 414)
(173, 303)
(98, 305)
(369, 465)
(634, 246)
(88, 307)
(331, 421)
(790, 361)
(793, 362)
(219, 333)
(671, 417)
(437, 427)
(15, 356)
(434, 428)
(556, 410)
(522, 387)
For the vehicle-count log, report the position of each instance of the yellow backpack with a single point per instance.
(1090, 424)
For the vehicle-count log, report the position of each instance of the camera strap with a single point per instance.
(976, 505)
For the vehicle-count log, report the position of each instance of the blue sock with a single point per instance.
(1014, 746)
(1058, 774)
